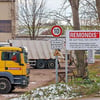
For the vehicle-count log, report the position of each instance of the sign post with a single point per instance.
(56, 63)
(66, 68)
(91, 58)
(56, 44)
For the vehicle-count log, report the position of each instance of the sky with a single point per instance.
(50, 4)
(53, 4)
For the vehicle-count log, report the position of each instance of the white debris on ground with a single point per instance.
(32, 83)
(52, 92)
(10, 95)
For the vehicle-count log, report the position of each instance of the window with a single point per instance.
(5, 26)
(25, 54)
(7, 0)
(14, 56)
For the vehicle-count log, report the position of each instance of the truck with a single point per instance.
(40, 53)
(14, 69)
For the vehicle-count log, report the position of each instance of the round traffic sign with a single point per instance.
(56, 31)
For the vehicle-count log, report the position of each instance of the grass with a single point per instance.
(91, 85)
(97, 56)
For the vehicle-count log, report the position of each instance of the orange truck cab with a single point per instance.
(14, 70)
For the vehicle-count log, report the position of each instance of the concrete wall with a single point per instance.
(7, 12)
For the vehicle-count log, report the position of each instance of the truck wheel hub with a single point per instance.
(52, 64)
(2, 85)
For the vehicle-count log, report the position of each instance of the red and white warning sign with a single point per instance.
(82, 40)
(56, 31)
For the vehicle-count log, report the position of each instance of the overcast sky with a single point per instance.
(53, 4)
(50, 4)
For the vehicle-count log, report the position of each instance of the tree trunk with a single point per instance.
(75, 6)
(79, 53)
(98, 9)
(81, 63)
(33, 28)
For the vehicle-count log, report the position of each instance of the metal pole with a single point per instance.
(56, 63)
(66, 68)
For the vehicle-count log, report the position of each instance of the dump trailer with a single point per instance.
(14, 69)
(40, 54)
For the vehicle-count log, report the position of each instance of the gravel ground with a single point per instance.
(38, 77)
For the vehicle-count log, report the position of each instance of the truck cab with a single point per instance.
(14, 69)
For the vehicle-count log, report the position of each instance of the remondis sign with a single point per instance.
(82, 40)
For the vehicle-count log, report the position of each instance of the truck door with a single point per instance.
(12, 62)
(2, 63)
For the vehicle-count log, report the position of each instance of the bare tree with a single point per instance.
(60, 17)
(31, 15)
(88, 15)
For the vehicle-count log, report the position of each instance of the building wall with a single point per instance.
(7, 20)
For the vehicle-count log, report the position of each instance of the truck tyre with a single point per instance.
(5, 86)
(40, 64)
(51, 64)
(13, 88)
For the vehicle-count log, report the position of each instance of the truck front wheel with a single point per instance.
(5, 86)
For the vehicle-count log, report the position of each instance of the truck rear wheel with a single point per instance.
(51, 64)
(5, 86)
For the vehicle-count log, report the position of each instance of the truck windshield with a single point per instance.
(11, 55)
